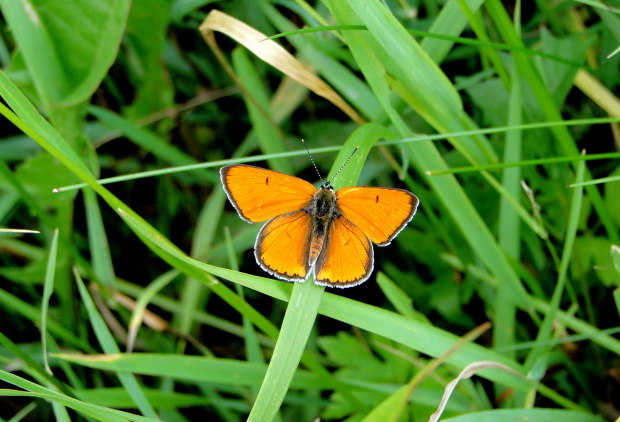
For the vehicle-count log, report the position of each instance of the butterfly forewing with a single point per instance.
(381, 213)
(258, 194)
(347, 256)
(283, 246)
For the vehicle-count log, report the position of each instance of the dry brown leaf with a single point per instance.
(270, 52)
(468, 372)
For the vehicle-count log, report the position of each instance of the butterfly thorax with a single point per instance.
(323, 208)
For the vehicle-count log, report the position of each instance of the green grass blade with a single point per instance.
(142, 302)
(96, 412)
(109, 346)
(149, 141)
(190, 368)
(545, 331)
(98, 242)
(450, 21)
(298, 322)
(397, 297)
(525, 163)
(427, 83)
(48, 289)
(32, 366)
(539, 415)
(595, 181)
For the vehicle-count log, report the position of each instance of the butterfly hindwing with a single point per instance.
(258, 194)
(381, 213)
(283, 245)
(347, 256)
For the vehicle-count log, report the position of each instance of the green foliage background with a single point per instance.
(479, 108)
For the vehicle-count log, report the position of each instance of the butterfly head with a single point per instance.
(327, 185)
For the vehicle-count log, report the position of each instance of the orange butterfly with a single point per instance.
(312, 231)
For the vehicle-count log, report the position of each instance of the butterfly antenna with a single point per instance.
(312, 159)
(345, 163)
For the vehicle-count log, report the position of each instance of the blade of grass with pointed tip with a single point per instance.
(201, 317)
(409, 63)
(252, 346)
(450, 21)
(97, 240)
(509, 225)
(398, 298)
(48, 289)
(595, 181)
(142, 302)
(109, 346)
(41, 213)
(545, 330)
(98, 413)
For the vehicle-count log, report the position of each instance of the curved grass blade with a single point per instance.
(99, 413)
(109, 346)
(544, 333)
(270, 52)
(48, 289)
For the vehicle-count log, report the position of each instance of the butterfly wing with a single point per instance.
(381, 213)
(258, 194)
(283, 246)
(347, 256)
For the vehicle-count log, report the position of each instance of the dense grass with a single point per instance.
(496, 118)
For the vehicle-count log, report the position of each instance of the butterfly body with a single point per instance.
(320, 232)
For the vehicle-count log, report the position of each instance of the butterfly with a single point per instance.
(320, 232)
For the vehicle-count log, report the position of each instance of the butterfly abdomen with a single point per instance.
(322, 209)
